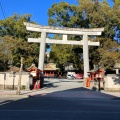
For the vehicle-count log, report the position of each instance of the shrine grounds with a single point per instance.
(62, 88)
(60, 99)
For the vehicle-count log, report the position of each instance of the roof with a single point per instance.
(13, 69)
(50, 66)
(33, 67)
(94, 70)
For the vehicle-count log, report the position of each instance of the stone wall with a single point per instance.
(9, 80)
(112, 82)
(97, 84)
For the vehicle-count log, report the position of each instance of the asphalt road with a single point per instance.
(59, 108)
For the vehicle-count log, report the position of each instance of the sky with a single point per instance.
(37, 8)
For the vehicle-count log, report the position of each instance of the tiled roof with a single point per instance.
(13, 69)
(50, 66)
(33, 67)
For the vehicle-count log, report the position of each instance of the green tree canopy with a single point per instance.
(89, 14)
(14, 43)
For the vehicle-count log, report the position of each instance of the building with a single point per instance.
(50, 70)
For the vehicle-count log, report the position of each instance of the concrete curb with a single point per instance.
(14, 96)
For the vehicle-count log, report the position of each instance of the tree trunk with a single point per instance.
(19, 80)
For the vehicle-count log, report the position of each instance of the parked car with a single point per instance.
(70, 77)
(79, 75)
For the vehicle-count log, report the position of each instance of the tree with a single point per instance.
(116, 10)
(20, 75)
(13, 26)
(102, 15)
(14, 42)
(116, 2)
(109, 53)
(6, 47)
(65, 15)
(90, 14)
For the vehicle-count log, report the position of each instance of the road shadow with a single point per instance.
(78, 92)
(72, 103)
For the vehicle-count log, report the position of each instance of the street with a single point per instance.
(58, 102)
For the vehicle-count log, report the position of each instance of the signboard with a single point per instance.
(33, 73)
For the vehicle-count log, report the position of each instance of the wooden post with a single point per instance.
(19, 80)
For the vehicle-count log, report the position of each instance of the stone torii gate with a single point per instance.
(64, 31)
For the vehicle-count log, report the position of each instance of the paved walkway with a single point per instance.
(62, 88)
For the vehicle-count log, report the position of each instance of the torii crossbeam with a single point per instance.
(64, 31)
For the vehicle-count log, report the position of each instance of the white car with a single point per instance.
(71, 77)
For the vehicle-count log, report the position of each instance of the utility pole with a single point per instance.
(19, 80)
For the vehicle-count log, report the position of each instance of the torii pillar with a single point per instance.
(65, 31)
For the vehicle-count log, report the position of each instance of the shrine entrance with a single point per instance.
(64, 31)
